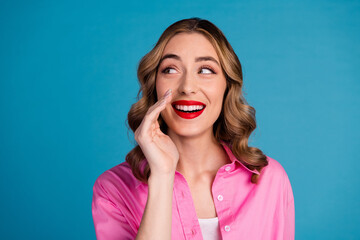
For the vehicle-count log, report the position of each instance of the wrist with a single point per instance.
(161, 178)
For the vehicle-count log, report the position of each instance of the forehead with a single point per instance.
(190, 45)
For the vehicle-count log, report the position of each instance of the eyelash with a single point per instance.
(202, 67)
(209, 68)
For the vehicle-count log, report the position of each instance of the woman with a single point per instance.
(193, 175)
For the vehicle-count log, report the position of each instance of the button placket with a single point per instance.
(186, 210)
(222, 204)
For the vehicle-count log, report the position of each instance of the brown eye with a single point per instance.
(206, 70)
(168, 70)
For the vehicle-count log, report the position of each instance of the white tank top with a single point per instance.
(210, 228)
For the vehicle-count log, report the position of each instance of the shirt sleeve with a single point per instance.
(289, 233)
(109, 221)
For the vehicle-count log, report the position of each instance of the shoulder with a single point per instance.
(276, 177)
(274, 168)
(115, 207)
(274, 171)
(116, 179)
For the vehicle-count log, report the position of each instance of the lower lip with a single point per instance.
(188, 115)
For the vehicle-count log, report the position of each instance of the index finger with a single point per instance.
(154, 111)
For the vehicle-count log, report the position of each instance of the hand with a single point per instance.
(158, 148)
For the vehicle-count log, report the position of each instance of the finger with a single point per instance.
(160, 101)
(154, 111)
(159, 104)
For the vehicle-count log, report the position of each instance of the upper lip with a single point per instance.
(187, 102)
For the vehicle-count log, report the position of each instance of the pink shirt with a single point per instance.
(244, 210)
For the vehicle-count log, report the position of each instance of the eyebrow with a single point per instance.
(198, 59)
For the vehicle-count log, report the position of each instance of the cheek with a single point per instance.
(216, 92)
(216, 98)
(221, 90)
(160, 88)
(162, 85)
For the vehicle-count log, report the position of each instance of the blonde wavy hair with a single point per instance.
(237, 119)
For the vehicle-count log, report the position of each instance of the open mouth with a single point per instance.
(188, 109)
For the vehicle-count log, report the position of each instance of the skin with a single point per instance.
(191, 80)
(189, 147)
(204, 81)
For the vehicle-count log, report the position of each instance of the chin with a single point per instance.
(186, 128)
(188, 132)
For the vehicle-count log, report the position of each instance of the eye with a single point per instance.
(206, 70)
(168, 70)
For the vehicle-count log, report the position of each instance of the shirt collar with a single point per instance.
(233, 159)
(227, 148)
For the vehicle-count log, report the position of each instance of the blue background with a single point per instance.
(68, 79)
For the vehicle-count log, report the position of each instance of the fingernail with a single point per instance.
(167, 93)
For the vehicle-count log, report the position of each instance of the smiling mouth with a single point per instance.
(188, 109)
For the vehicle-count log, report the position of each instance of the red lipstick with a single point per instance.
(188, 114)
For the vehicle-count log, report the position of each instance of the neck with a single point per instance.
(199, 155)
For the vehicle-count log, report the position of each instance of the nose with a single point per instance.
(188, 85)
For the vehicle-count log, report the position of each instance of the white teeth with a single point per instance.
(189, 107)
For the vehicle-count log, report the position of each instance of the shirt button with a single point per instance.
(193, 231)
(220, 197)
(227, 168)
(227, 228)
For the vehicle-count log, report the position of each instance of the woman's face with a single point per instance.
(191, 68)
